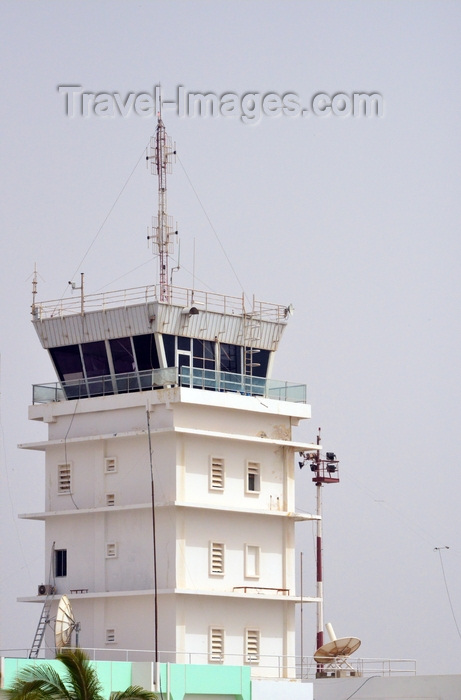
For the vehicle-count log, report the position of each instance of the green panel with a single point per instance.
(191, 679)
(113, 675)
(184, 679)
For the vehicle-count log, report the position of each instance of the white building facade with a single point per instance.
(172, 403)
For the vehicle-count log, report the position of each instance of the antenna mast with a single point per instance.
(161, 152)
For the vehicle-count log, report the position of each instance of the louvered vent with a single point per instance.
(64, 476)
(252, 646)
(217, 473)
(110, 465)
(217, 558)
(216, 654)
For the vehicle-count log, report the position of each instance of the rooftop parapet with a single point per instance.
(178, 296)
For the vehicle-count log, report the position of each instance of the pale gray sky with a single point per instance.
(353, 220)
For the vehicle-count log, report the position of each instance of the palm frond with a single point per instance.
(134, 692)
(82, 677)
(38, 682)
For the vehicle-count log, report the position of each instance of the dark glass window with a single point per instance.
(60, 562)
(95, 359)
(169, 345)
(122, 355)
(146, 352)
(204, 354)
(183, 343)
(230, 359)
(259, 360)
(68, 362)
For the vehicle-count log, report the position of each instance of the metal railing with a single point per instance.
(177, 296)
(262, 666)
(196, 378)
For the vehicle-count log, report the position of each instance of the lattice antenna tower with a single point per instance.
(161, 154)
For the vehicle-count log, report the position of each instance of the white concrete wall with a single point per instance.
(200, 527)
(196, 454)
(181, 463)
(234, 616)
(281, 690)
(394, 688)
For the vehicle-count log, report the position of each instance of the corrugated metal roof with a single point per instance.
(140, 319)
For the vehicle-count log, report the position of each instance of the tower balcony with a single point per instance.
(148, 380)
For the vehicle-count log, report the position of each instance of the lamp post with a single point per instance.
(325, 471)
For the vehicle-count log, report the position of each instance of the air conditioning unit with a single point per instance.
(46, 589)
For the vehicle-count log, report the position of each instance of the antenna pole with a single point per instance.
(160, 155)
(34, 292)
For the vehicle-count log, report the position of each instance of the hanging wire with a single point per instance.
(106, 218)
(439, 550)
(211, 225)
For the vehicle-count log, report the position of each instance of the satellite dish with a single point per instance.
(65, 623)
(337, 650)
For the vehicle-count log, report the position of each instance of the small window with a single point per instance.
(111, 550)
(60, 562)
(216, 645)
(110, 499)
(216, 558)
(110, 465)
(252, 557)
(64, 478)
(252, 639)
(216, 473)
(253, 477)
(110, 636)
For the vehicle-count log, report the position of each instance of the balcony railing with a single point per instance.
(196, 378)
(265, 666)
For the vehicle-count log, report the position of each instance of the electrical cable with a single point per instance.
(360, 686)
(106, 218)
(211, 225)
(439, 550)
(65, 448)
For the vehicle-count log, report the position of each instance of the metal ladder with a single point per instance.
(40, 631)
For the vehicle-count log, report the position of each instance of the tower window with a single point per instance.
(252, 557)
(64, 478)
(253, 484)
(216, 563)
(216, 645)
(60, 562)
(216, 473)
(110, 499)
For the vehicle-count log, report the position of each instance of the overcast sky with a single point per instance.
(352, 219)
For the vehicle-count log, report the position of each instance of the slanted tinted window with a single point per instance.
(122, 355)
(60, 562)
(68, 362)
(146, 352)
(169, 345)
(95, 359)
(230, 359)
(259, 363)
